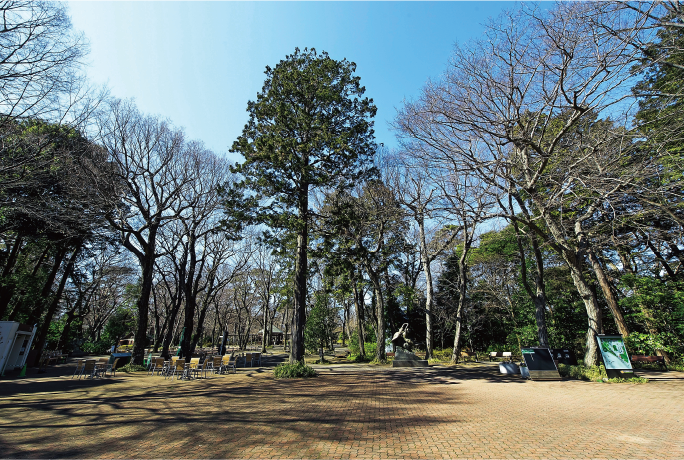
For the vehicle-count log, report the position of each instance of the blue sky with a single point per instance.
(198, 63)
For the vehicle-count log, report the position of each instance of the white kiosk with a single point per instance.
(15, 343)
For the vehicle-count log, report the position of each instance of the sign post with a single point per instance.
(615, 356)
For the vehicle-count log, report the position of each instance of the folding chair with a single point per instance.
(195, 367)
(214, 364)
(111, 368)
(177, 368)
(227, 363)
(79, 368)
(156, 365)
(89, 369)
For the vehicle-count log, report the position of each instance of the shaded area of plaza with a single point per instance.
(347, 412)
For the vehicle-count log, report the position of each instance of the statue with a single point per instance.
(400, 340)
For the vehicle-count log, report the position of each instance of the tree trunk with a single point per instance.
(71, 316)
(608, 293)
(380, 313)
(37, 310)
(264, 336)
(358, 303)
(143, 305)
(41, 336)
(429, 291)
(590, 304)
(171, 326)
(462, 283)
(538, 296)
(6, 287)
(299, 312)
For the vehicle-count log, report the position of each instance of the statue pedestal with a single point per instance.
(404, 358)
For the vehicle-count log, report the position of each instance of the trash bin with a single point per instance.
(525, 372)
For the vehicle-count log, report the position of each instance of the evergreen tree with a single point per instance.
(308, 129)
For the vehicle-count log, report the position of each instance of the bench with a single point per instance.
(505, 355)
(389, 354)
(660, 360)
(469, 356)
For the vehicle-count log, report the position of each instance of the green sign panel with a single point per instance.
(614, 352)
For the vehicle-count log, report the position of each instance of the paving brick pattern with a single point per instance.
(344, 413)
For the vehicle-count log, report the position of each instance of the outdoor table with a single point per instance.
(100, 368)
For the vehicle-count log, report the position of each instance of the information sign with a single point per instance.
(540, 363)
(615, 357)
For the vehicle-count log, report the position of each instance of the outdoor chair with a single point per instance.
(157, 366)
(256, 359)
(195, 367)
(111, 368)
(151, 361)
(89, 369)
(177, 369)
(248, 359)
(79, 368)
(227, 363)
(214, 365)
(154, 365)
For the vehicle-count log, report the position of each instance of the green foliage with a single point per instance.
(54, 333)
(120, 324)
(297, 370)
(357, 358)
(355, 350)
(99, 347)
(442, 355)
(130, 368)
(648, 344)
(593, 373)
(353, 343)
(308, 127)
(320, 323)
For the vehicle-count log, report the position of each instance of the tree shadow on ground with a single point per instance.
(254, 410)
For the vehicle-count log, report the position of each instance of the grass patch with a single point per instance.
(293, 371)
(130, 367)
(357, 359)
(630, 380)
(594, 374)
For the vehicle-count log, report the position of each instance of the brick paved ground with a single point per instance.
(471, 412)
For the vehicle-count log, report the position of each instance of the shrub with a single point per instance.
(594, 373)
(354, 348)
(580, 372)
(442, 355)
(297, 370)
(130, 367)
(357, 358)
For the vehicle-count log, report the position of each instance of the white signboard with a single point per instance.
(614, 352)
